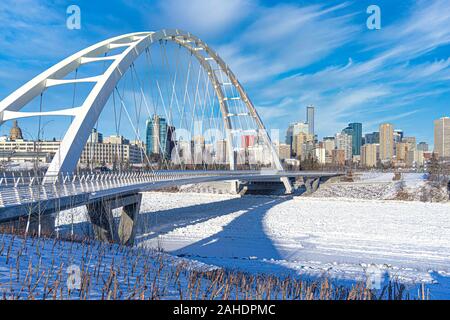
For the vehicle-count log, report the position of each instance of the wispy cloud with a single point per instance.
(375, 78)
(210, 19)
(287, 37)
(35, 30)
(424, 29)
(287, 55)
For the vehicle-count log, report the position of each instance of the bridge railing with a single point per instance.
(25, 188)
(29, 179)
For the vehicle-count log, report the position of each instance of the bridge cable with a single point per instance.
(155, 98)
(171, 92)
(129, 117)
(143, 99)
(138, 111)
(166, 113)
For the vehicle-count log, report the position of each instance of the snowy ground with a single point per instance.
(408, 241)
(381, 186)
(47, 268)
(341, 237)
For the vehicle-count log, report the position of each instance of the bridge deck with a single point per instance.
(20, 199)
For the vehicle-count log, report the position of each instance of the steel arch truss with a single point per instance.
(86, 115)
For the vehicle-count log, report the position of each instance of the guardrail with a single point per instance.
(16, 180)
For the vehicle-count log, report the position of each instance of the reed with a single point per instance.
(38, 270)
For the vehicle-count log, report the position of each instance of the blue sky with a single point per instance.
(286, 54)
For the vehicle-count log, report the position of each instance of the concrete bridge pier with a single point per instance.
(102, 220)
(287, 185)
(312, 184)
(129, 220)
(105, 226)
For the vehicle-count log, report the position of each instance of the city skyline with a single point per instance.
(224, 151)
(396, 74)
(361, 130)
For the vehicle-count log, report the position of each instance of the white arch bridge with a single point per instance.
(31, 197)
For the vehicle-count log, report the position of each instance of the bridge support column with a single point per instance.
(312, 185)
(103, 222)
(129, 221)
(234, 186)
(101, 217)
(287, 185)
(315, 184)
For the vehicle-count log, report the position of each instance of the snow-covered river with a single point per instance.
(337, 237)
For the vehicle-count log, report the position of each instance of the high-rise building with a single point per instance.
(199, 145)
(398, 135)
(170, 140)
(293, 130)
(247, 141)
(372, 138)
(355, 130)
(310, 119)
(411, 142)
(369, 153)
(401, 151)
(299, 144)
(338, 157)
(386, 142)
(95, 137)
(319, 153)
(283, 151)
(422, 146)
(344, 142)
(442, 137)
(157, 134)
(329, 144)
(221, 152)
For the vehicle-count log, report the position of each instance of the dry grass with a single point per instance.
(35, 268)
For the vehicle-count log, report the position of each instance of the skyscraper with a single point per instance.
(355, 130)
(329, 145)
(247, 141)
(398, 135)
(310, 119)
(386, 142)
(372, 138)
(300, 142)
(157, 132)
(411, 142)
(442, 137)
(344, 142)
(422, 146)
(221, 152)
(293, 130)
(369, 155)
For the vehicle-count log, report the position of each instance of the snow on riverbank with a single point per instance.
(49, 269)
(337, 236)
(340, 238)
(381, 186)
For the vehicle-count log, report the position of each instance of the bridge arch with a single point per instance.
(86, 115)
